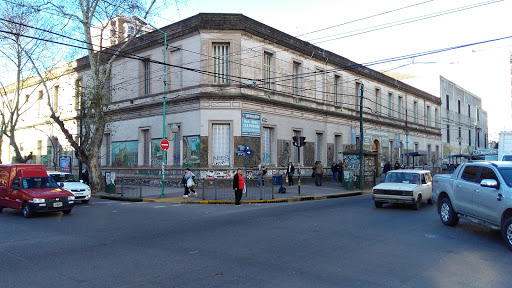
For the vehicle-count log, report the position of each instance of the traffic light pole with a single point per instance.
(361, 155)
(298, 158)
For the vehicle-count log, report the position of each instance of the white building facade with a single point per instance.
(234, 81)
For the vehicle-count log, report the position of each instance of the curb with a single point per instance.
(179, 200)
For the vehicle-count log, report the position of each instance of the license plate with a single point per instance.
(57, 204)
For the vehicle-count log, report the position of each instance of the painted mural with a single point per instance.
(125, 154)
(156, 153)
(191, 151)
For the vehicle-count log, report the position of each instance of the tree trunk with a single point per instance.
(96, 179)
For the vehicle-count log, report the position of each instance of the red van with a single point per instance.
(29, 188)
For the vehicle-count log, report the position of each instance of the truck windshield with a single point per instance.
(410, 178)
(507, 158)
(64, 178)
(506, 173)
(38, 182)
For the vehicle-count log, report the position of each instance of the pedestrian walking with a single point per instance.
(319, 172)
(334, 169)
(340, 171)
(387, 167)
(238, 186)
(289, 173)
(190, 184)
(261, 171)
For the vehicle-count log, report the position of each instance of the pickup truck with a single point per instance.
(480, 192)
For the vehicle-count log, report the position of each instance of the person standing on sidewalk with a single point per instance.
(189, 176)
(238, 186)
(289, 173)
(319, 172)
(334, 169)
(261, 167)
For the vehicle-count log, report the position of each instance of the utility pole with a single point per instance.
(361, 137)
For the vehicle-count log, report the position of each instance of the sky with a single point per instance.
(482, 69)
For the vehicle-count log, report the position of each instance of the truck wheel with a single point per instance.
(1, 208)
(506, 232)
(66, 211)
(27, 212)
(417, 205)
(448, 216)
(378, 204)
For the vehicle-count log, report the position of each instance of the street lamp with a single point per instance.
(165, 91)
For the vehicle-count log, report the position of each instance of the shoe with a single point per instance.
(185, 196)
(195, 194)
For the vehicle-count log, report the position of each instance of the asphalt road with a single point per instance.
(343, 242)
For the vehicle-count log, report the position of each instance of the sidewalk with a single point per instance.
(308, 191)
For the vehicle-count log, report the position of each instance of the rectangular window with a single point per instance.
(55, 103)
(39, 103)
(447, 102)
(429, 123)
(390, 105)
(447, 133)
(337, 90)
(267, 155)
(147, 77)
(268, 64)
(437, 152)
(416, 147)
(338, 148)
(429, 152)
(377, 99)
(319, 147)
(358, 95)
(478, 139)
(176, 72)
(221, 143)
(108, 90)
(297, 79)
(469, 111)
(319, 85)
(221, 63)
(469, 137)
(436, 117)
(400, 108)
(458, 106)
(415, 111)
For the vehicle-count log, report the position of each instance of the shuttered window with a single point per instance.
(221, 144)
(221, 63)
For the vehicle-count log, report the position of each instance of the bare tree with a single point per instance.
(16, 18)
(92, 14)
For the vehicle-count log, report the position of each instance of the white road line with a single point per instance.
(159, 206)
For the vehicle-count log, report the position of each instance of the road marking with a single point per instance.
(159, 206)
(126, 203)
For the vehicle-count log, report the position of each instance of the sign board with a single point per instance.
(243, 148)
(240, 153)
(249, 152)
(65, 164)
(164, 144)
(251, 124)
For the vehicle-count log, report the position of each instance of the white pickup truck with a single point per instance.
(480, 192)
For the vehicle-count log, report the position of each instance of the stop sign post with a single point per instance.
(164, 144)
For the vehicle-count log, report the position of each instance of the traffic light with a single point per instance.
(302, 140)
(298, 141)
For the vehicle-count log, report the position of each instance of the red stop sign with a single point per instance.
(164, 144)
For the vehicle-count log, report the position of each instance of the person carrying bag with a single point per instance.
(238, 186)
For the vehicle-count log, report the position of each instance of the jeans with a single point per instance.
(260, 181)
(318, 179)
(290, 179)
(335, 176)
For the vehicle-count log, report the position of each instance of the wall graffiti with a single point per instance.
(219, 160)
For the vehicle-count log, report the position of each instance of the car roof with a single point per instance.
(57, 172)
(409, 171)
(493, 163)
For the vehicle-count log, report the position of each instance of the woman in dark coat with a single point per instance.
(238, 186)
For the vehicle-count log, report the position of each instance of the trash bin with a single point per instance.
(278, 180)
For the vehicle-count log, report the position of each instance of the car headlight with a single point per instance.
(38, 200)
(71, 198)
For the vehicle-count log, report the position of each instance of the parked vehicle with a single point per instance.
(480, 192)
(29, 188)
(505, 146)
(71, 183)
(404, 186)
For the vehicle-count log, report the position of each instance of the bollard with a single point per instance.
(215, 184)
(140, 188)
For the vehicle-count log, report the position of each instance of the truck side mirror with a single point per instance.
(490, 183)
(15, 185)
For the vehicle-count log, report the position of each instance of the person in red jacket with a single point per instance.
(238, 186)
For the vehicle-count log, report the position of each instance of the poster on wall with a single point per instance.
(125, 154)
(156, 153)
(191, 151)
(251, 124)
(353, 135)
